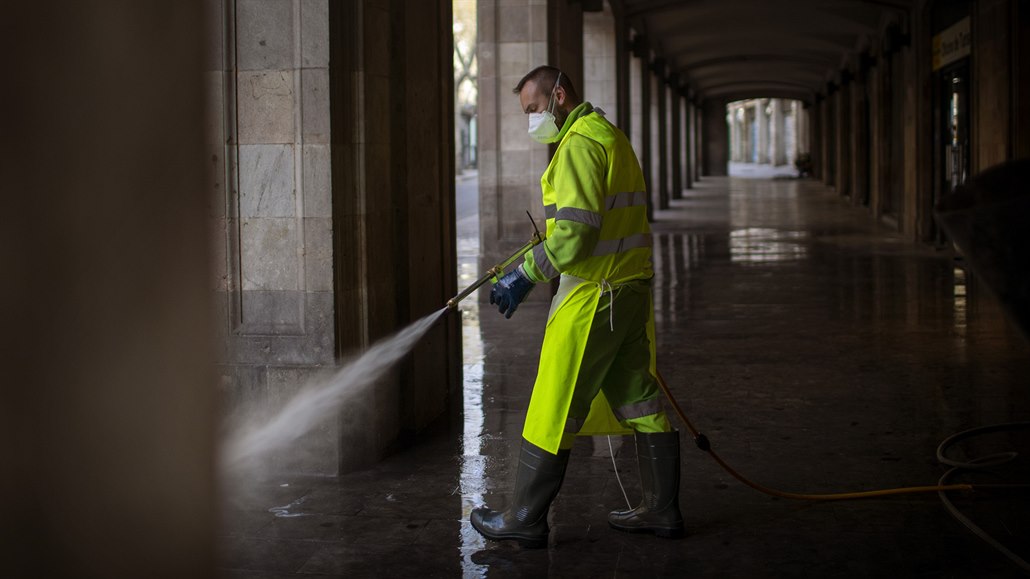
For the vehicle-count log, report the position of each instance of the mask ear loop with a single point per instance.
(554, 95)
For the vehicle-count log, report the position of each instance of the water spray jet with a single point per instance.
(323, 397)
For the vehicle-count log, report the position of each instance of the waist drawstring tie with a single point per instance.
(605, 286)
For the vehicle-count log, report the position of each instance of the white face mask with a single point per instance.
(542, 127)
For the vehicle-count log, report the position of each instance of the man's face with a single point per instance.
(534, 99)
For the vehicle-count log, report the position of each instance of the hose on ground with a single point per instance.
(941, 488)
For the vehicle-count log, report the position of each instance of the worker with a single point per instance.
(597, 361)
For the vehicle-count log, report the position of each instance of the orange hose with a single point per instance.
(702, 442)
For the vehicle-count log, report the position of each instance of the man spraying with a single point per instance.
(597, 362)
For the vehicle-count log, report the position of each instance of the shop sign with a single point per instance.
(954, 43)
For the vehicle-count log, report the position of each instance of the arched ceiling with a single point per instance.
(758, 48)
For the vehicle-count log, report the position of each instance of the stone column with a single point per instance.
(686, 149)
(662, 110)
(670, 146)
(694, 142)
(392, 201)
(791, 110)
(328, 216)
(746, 144)
(747, 133)
(828, 123)
(996, 38)
(637, 107)
(842, 180)
(275, 296)
(512, 41)
(700, 134)
(430, 386)
(877, 127)
(599, 61)
(743, 130)
(815, 135)
(732, 128)
(676, 154)
(714, 138)
(623, 83)
(647, 147)
(565, 39)
(777, 137)
(746, 138)
(801, 128)
(915, 220)
(859, 143)
(762, 118)
(653, 166)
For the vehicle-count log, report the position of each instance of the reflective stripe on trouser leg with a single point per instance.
(652, 423)
(645, 416)
(620, 362)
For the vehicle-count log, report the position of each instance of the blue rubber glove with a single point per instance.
(510, 290)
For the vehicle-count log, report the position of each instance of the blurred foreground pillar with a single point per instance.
(106, 410)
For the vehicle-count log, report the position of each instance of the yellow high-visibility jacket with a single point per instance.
(597, 237)
(595, 203)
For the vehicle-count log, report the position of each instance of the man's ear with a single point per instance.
(559, 95)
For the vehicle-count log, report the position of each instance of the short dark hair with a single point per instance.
(544, 77)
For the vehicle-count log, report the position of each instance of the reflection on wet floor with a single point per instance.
(472, 478)
(473, 463)
(960, 301)
(760, 245)
(819, 351)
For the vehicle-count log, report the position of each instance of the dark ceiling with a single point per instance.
(739, 49)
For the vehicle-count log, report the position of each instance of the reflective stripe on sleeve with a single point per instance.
(583, 216)
(543, 262)
(612, 246)
(627, 199)
(550, 211)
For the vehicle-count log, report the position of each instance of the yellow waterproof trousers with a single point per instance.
(597, 365)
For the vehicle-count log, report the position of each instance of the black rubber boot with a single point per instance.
(537, 482)
(658, 455)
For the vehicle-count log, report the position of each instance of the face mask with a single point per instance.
(542, 127)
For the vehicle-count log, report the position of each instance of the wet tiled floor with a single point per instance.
(819, 352)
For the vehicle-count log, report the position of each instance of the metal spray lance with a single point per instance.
(498, 270)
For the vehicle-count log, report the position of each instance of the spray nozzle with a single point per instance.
(498, 270)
